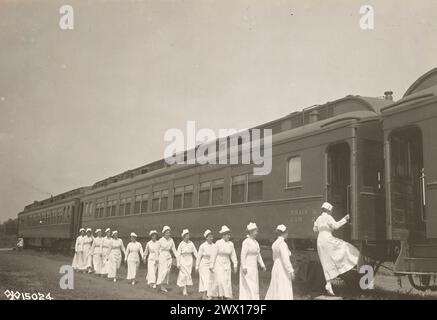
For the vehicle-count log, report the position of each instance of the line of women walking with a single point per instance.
(214, 262)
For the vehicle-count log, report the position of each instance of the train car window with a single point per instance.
(87, 208)
(188, 196)
(205, 194)
(90, 209)
(113, 208)
(163, 205)
(128, 206)
(177, 197)
(144, 203)
(122, 207)
(137, 205)
(108, 209)
(155, 201)
(101, 209)
(255, 190)
(238, 192)
(401, 158)
(294, 170)
(372, 163)
(218, 192)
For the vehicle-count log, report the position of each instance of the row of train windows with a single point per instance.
(211, 193)
(51, 217)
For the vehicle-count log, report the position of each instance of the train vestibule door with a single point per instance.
(339, 185)
(407, 184)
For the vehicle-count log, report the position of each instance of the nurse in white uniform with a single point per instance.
(221, 259)
(151, 253)
(106, 246)
(166, 248)
(115, 255)
(96, 252)
(78, 251)
(203, 263)
(186, 252)
(87, 252)
(336, 256)
(250, 258)
(133, 256)
(281, 286)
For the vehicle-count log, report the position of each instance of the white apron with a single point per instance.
(186, 251)
(250, 258)
(223, 254)
(78, 253)
(134, 252)
(152, 253)
(281, 287)
(106, 247)
(202, 264)
(165, 259)
(87, 253)
(114, 260)
(336, 256)
(96, 251)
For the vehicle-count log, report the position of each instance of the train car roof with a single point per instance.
(371, 110)
(414, 97)
(425, 81)
(72, 194)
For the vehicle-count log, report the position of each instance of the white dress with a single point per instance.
(87, 253)
(106, 247)
(78, 253)
(96, 251)
(152, 254)
(186, 251)
(165, 259)
(202, 264)
(134, 252)
(114, 260)
(221, 259)
(336, 256)
(281, 286)
(250, 258)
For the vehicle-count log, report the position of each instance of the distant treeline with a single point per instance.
(9, 227)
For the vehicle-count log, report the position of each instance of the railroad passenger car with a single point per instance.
(329, 152)
(410, 127)
(51, 223)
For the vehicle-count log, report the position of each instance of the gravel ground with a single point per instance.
(33, 271)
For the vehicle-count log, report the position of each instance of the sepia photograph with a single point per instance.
(218, 154)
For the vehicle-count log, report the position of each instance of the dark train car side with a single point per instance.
(411, 180)
(51, 223)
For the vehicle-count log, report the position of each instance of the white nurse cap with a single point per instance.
(107, 230)
(281, 228)
(251, 226)
(81, 229)
(153, 232)
(98, 230)
(184, 232)
(207, 232)
(89, 230)
(114, 232)
(327, 206)
(224, 229)
(165, 229)
(133, 234)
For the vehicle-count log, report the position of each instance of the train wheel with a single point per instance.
(422, 282)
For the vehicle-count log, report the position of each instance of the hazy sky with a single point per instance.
(77, 106)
